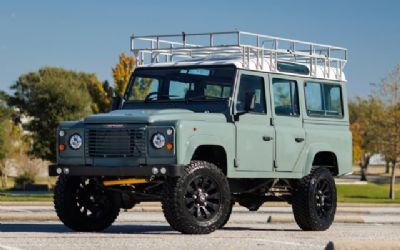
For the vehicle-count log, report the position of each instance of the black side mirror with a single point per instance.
(116, 102)
(250, 104)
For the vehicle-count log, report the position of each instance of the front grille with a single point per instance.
(115, 142)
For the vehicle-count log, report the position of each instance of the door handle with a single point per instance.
(267, 138)
(298, 139)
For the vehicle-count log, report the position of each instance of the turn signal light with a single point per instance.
(61, 147)
(170, 146)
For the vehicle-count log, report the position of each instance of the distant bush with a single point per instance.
(24, 179)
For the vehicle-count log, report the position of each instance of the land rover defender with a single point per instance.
(209, 120)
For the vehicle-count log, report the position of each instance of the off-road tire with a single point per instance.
(176, 199)
(306, 203)
(228, 217)
(68, 211)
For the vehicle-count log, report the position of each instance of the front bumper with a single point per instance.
(139, 171)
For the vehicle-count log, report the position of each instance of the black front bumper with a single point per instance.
(139, 171)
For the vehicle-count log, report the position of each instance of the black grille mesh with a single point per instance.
(115, 142)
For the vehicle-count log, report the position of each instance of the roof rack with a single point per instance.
(248, 47)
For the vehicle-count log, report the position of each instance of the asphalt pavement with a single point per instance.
(35, 226)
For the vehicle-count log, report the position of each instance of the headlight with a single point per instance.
(158, 140)
(75, 141)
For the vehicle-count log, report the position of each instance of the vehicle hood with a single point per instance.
(150, 116)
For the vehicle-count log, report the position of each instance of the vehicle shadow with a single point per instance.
(116, 229)
(59, 228)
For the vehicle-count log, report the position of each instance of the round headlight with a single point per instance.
(75, 141)
(158, 140)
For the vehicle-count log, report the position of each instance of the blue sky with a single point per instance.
(89, 35)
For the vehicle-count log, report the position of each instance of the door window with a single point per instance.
(286, 97)
(250, 83)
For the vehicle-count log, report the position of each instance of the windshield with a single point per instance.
(183, 87)
(181, 84)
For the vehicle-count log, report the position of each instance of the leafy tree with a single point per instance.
(366, 117)
(122, 73)
(5, 143)
(53, 95)
(389, 91)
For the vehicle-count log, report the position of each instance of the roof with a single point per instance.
(243, 49)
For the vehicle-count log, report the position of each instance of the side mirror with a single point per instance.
(250, 104)
(116, 102)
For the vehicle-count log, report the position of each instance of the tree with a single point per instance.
(366, 116)
(122, 73)
(389, 91)
(5, 143)
(53, 95)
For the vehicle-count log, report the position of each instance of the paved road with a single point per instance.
(147, 229)
(53, 235)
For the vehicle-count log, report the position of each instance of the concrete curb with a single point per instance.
(363, 245)
(270, 219)
(158, 204)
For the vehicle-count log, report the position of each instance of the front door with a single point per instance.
(254, 134)
(288, 123)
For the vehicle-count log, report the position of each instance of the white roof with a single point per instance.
(266, 66)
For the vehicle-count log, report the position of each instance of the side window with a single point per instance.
(333, 100)
(250, 83)
(314, 99)
(286, 97)
(323, 99)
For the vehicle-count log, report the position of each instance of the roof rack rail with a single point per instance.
(244, 45)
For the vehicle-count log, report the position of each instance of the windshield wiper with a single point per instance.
(204, 98)
(153, 96)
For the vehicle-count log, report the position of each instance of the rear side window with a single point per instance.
(323, 99)
(286, 101)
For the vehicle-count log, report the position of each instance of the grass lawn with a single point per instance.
(368, 193)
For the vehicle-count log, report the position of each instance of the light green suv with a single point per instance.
(236, 117)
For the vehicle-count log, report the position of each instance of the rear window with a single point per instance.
(323, 99)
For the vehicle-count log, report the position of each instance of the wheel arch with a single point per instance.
(212, 153)
(321, 155)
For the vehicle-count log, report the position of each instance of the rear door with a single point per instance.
(288, 122)
(254, 134)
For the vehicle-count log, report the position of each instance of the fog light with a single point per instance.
(59, 170)
(163, 170)
(154, 171)
(66, 170)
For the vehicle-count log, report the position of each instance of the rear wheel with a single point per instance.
(198, 202)
(82, 206)
(314, 200)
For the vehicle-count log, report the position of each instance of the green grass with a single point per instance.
(5, 196)
(368, 193)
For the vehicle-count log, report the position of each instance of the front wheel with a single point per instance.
(199, 201)
(314, 200)
(82, 206)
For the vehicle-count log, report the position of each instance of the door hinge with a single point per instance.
(275, 166)
(236, 163)
(271, 121)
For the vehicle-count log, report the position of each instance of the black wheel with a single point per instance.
(82, 206)
(314, 200)
(199, 201)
